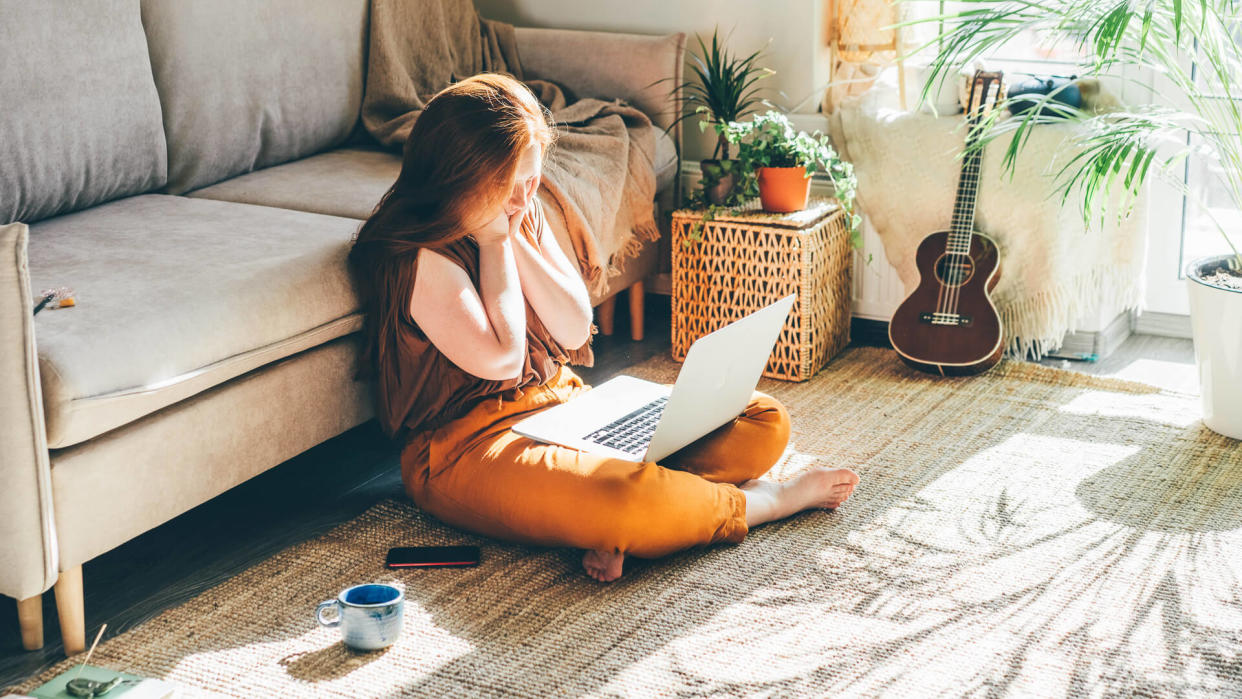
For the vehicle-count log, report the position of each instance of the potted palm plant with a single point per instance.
(782, 160)
(722, 90)
(1192, 47)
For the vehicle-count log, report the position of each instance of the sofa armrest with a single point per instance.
(610, 66)
(27, 538)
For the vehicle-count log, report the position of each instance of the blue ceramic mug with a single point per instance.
(369, 615)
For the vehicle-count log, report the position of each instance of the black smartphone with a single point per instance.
(429, 556)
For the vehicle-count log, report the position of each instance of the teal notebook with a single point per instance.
(134, 687)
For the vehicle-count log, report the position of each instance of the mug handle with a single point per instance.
(323, 607)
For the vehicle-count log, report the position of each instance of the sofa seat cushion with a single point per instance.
(176, 295)
(346, 182)
(351, 181)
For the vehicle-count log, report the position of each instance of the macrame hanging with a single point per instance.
(863, 41)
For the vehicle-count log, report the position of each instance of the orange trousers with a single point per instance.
(477, 474)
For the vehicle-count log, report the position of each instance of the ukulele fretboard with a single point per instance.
(964, 204)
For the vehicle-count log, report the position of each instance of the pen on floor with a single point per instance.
(39, 306)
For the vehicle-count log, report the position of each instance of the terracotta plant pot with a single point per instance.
(783, 189)
(720, 191)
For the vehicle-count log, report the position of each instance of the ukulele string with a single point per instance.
(956, 272)
(959, 273)
(940, 281)
(956, 266)
(970, 170)
(940, 277)
(939, 295)
(962, 254)
(952, 275)
(989, 92)
(955, 275)
(944, 301)
(957, 244)
(954, 238)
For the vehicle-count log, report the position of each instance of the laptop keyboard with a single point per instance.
(631, 433)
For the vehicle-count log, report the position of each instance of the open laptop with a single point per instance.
(637, 420)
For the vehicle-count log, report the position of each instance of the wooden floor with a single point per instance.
(337, 480)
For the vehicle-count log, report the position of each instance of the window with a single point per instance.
(1213, 202)
(1185, 227)
(1031, 51)
(1200, 236)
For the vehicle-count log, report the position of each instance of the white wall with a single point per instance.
(795, 27)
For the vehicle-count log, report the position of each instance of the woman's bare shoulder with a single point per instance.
(438, 276)
(440, 260)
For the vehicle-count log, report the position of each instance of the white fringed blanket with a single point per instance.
(1054, 268)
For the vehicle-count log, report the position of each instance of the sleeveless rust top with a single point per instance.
(428, 390)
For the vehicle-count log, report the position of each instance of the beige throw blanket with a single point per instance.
(600, 174)
(1054, 270)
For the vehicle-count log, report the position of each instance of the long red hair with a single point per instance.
(460, 159)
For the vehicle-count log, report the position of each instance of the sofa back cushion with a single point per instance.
(79, 114)
(246, 84)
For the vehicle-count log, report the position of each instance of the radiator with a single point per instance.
(877, 288)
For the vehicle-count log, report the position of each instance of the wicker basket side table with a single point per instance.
(745, 259)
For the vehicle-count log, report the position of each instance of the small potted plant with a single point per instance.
(722, 91)
(782, 160)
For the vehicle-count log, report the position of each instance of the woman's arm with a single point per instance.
(553, 285)
(483, 332)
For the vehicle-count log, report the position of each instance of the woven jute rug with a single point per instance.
(1028, 532)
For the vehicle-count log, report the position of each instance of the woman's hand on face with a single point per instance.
(508, 221)
(500, 228)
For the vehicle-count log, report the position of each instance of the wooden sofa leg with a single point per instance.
(30, 618)
(71, 610)
(636, 311)
(605, 312)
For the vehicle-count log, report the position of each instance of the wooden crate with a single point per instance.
(746, 259)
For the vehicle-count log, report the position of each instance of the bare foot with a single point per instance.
(825, 487)
(604, 566)
(819, 487)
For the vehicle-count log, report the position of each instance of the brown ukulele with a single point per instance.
(948, 325)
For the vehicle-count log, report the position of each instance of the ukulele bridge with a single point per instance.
(954, 319)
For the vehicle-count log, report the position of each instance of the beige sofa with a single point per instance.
(195, 171)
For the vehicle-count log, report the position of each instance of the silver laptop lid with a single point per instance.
(716, 380)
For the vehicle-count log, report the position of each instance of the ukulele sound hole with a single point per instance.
(954, 269)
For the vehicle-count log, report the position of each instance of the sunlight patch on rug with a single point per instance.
(1173, 376)
(318, 661)
(1181, 411)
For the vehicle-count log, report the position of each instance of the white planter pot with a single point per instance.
(1216, 321)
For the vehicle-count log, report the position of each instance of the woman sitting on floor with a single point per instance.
(473, 312)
